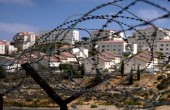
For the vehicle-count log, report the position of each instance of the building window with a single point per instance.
(161, 49)
(114, 49)
(167, 49)
(167, 44)
(107, 49)
(162, 45)
(107, 45)
(103, 46)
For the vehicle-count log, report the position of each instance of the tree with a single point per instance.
(2, 72)
(85, 38)
(122, 68)
(138, 73)
(68, 68)
(131, 77)
(126, 55)
(82, 69)
(160, 54)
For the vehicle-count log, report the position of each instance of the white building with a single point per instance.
(53, 61)
(103, 61)
(102, 64)
(11, 49)
(143, 59)
(79, 52)
(118, 47)
(116, 59)
(2, 48)
(24, 40)
(70, 57)
(163, 46)
(106, 34)
(145, 37)
(70, 36)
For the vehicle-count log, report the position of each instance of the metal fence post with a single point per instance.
(1, 102)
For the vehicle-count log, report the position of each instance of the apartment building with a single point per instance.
(163, 46)
(69, 36)
(2, 48)
(106, 35)
(118, 47)
(24, 40)
(7, 48)
(145, 37)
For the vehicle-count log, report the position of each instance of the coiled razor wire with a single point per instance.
(45, 49)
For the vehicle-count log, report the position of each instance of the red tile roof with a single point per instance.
(165, 40)
(3, 43)
(67, 54)
(60, 57)
(145, 56)
(110, 54)
(67, 46)
(143, 59)
(53, 59)
(26, 33)
(103, 58)
(112, 41)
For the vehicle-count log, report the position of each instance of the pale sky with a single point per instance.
(38, 15)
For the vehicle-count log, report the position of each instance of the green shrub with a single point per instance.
(93, 106)
(160, 78)
(28, 99)
(164, 84)
(133, 103)
(108, 103)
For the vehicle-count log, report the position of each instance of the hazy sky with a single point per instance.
(37, 15)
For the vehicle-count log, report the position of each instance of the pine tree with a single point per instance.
(2, 72)
(138, 73)
(82, 70)
(131, 77)
(122, 68)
